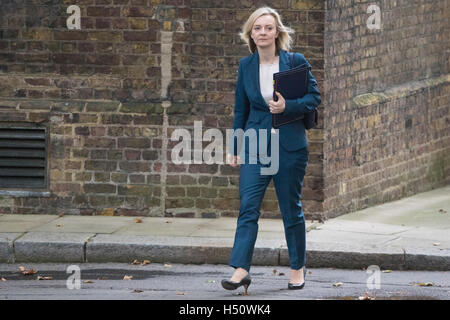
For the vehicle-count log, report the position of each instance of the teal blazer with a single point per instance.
(251, 110)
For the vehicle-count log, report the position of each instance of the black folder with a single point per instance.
(291, 84)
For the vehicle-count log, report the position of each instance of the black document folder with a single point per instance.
(291, 84)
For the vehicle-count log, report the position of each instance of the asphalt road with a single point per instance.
(202, 282)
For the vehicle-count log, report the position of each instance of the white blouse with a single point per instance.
(266, 72)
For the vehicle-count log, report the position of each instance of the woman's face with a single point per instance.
(264, 31)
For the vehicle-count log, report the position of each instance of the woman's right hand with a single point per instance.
(233, 160)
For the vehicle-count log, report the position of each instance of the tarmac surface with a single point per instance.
(409, 234)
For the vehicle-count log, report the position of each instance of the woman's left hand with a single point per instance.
(277, 106)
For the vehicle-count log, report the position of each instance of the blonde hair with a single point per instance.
(284, 39)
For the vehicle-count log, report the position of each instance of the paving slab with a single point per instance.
(428, 209)
(427, 235)
(23, 222)
(226, 227)
(156, 226)
(363, 227)
(340, 237)
(51, 247)
(84, 224)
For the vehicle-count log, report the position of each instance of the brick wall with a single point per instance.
(112, 93)
(387, 102)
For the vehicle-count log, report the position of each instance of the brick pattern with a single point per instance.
(99, 90)
(387, 103)
(383, 124)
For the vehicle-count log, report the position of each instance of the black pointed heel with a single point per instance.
(295, 286)
(232, 285)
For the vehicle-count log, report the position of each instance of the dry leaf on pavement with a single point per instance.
(127, 277)
(26, 272)
(337, 284)
(3, 279)
(367, 297)
(138, 220)
(143, 263)
(180, 293)
(44, 278)
(423, 284)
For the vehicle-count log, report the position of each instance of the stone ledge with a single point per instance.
(400, 91)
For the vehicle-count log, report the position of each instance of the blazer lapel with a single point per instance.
(284, 60)
(254, 71)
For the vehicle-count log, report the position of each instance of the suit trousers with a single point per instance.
(288, 182)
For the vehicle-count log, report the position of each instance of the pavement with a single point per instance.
(409, 234)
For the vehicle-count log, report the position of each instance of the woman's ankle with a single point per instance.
(239, 274)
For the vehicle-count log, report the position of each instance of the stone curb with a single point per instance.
(87, 247)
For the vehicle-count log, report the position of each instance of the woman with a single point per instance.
(269, 42)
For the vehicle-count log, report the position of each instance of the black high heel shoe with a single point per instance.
(296, 286)
(232, 285)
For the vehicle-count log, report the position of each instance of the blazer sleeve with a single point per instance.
(241, 108)
(309, 102)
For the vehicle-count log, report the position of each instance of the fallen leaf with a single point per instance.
(137, 291)
(423, 284)
(281, 274)
(127, 277)
(436, 244)
(211, 281)
(44, 278)
(386, 271)
(138, 220)
(61, 215)
(27, 272)
(168, 221)
(88, 281)
(337, 284)
(58, 225)
(180, 293)
(3, 279)
(167, 265)
(426, 284)
(367, 297)
(442, 211)
(143, 263)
